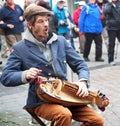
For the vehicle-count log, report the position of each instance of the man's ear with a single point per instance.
(29, 25)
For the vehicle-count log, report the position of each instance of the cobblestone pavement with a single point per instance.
(103, 77)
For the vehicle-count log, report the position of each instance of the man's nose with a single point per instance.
(46, 23)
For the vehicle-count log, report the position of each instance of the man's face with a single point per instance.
(100, 1)
(92, 1)
(10, 1)
(41, 28)
(114, 1)
(61, 4)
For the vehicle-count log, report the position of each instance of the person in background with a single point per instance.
(59, 11)
(12, 16)
(76, 15)
(53, 22)
(43, 54)
(101, 6)
(28, 2)
(90, 24)
(112, 15)
(65, 22)
(4, 48)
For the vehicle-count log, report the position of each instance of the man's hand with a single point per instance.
(82, 89)
(21, 18)
(62, 22)
(1, 22)
(32, 73)
(10, 26)
(76, 28)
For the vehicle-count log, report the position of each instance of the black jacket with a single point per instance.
(112, 15)
(53, 23)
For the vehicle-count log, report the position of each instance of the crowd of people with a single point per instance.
(101, 28)
(47, 47)
(63, 23)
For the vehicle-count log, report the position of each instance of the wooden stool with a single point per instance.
(36, 117)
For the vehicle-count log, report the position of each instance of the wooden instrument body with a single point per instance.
(64, 93)
(64, 98)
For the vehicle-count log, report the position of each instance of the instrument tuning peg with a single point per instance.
(100, 94)
(104, 96)
(98, 91)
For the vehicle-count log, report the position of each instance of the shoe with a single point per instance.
(99, 60)
(0, 62)
(86, 59)
(112, 63)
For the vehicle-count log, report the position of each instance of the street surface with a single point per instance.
(102, 77)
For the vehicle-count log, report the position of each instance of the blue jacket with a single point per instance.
(10, 16)
(89, 20)
(60, 14)
(27, 54)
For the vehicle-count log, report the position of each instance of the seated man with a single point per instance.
(47, 54)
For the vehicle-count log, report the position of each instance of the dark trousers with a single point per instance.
(112, 34)
(98, 44)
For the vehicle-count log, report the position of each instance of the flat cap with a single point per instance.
(33, 9)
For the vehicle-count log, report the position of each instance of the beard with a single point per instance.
(41, 36)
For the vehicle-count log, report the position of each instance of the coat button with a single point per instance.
(49, 74)
(46, 65)
(64, 61)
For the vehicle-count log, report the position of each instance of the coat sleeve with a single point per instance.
(12, 72)
(82, 19)
(108, 9)
(75, 17)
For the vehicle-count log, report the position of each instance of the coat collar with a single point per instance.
(32, 39)
(34, 45)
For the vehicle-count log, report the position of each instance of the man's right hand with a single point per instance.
(32, 73)
(10, 26)
(62, 22)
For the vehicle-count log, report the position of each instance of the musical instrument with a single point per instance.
(64, 93)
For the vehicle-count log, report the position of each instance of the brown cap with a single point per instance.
(33, 9)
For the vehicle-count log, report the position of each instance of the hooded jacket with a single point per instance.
(89, 20)
(60, 14)
(52, 58)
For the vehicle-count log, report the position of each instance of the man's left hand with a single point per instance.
(82, 89)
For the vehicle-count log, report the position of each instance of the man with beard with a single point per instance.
(46, 54)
